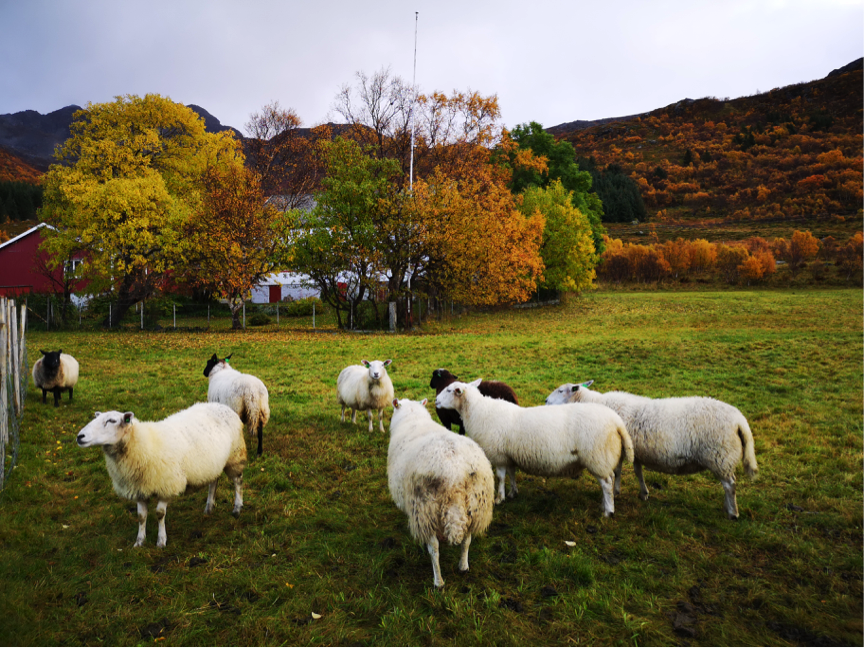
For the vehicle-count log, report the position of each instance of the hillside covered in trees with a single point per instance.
(791, 153)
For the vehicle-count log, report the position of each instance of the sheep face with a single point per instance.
(212, 362)
(452, 395)
(377, 368)
(50, 362)
(106, 428)
(568, 393)
(441, 378)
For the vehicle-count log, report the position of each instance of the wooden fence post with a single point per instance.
(4, 410)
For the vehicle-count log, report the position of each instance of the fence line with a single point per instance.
(13, 382)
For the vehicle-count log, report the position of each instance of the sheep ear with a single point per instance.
(228, 357)
(424, 401)
(395, 404)
(127, 418)
(214, 357)
(458, 391)
(476, 383)
(365, 363)
(387, 363)
(588, 383)
(43, 352)
(97, 414)
(574, 388)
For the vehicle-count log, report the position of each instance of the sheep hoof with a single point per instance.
(609, 514)
(642, 496)
(236, 513)
(734, 518)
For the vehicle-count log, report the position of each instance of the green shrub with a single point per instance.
(259, 319)
(303, 307)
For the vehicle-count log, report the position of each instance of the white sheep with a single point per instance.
(365, 387)
(160, 459)
(441, 480)
(244, 393)
(545, 441)
(56, 372)
(678, 436)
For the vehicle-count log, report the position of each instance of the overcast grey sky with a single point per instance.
(548, 61)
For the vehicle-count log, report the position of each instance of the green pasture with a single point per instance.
(320, 555)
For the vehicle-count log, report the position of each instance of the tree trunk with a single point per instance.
(131, 291)
(236, 305)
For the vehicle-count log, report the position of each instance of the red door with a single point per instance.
(275, 294)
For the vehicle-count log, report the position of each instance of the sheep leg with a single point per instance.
(371, 414)
(513, 492)
(353, 415)
(502, 473)
(607, 485)
(618, 475)
(342, 420)
(643, 488)
(44, 394)
(463, 561)
(238, 495)
(70, 393)
(260, 437)
(211, 497)
(381, 419)
(729, 501)
(432, 546)
(161, 510)
(57, 392)
(142, 523)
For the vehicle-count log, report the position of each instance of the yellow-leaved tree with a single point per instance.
(237, 238)
(568, 244)
(126, 185)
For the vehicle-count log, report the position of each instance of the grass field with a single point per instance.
(319, 533)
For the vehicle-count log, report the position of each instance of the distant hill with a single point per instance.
(31, 137)
(791, 153)
(14, 169)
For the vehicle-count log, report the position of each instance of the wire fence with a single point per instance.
(47, 313)
(14, 371)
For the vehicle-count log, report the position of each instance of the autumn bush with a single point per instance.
(750, 261)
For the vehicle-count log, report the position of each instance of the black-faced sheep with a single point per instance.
(56, 372)
(366, 386)
(492, 388)
(244, 393)
(678, 436)
(160, 459)
(544, 441)
(442, 481)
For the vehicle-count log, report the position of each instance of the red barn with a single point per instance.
(22, 265)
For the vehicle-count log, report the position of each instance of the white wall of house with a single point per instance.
(286, 285)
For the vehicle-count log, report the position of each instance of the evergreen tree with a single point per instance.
(561, 161)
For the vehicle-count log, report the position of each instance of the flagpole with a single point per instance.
(413, 101)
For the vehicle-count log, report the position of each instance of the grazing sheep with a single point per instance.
(678, 436)
(160, 459)
(365, 387)
(244, 393)
(55, 371)
(545, 441)
(492, 388)
(442, 481)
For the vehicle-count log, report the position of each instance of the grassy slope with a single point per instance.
(320, 534)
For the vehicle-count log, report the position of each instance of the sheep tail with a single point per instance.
(455, 523)
(626, 443)
(751, 468)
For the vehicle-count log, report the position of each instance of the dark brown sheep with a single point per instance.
(492, 388)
